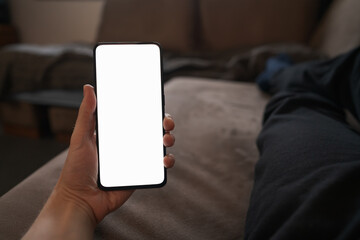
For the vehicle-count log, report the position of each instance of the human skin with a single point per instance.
(76, 204)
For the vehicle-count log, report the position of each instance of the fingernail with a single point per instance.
(84, 87)
(168, 116)
(88, 85)
(84, 90)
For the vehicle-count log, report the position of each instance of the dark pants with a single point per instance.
(307, 181)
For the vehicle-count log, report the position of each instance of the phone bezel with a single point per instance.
(96, 116)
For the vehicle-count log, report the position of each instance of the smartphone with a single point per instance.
(130, 112)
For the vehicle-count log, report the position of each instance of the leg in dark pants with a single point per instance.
(307, 181)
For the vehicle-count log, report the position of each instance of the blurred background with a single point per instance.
(46, 54)
(26, 141)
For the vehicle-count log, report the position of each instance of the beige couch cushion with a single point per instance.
(228, 24)
(207, 193)
(169, 22)
(339, 30)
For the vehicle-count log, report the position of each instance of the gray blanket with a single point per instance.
(26, 68)
(31, 67)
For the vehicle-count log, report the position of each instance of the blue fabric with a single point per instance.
(273, 66)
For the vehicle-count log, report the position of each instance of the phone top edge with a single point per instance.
(127, 43)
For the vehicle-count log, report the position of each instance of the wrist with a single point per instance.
(63, 217)
(62, 195)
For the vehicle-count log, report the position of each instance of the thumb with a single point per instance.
(85, 122)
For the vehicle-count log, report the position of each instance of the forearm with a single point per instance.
(62, 218)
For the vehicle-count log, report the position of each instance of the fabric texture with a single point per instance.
(168, 22)
(208, 190)
(234, 24)
(308, 172)
(26, 67)
(242, 65)
(338, 31)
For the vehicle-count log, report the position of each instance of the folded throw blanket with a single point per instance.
(25, 68)
(31, 67)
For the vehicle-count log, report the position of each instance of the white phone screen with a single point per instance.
(129, 115)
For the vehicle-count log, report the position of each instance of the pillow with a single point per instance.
(338, 31)
(234, 24)
(168, 22)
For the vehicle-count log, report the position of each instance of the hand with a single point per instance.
(79, 177)
(77, 186)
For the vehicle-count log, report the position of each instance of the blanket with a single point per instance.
(31, 67)
(26, 68)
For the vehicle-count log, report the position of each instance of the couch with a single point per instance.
(218, 115)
